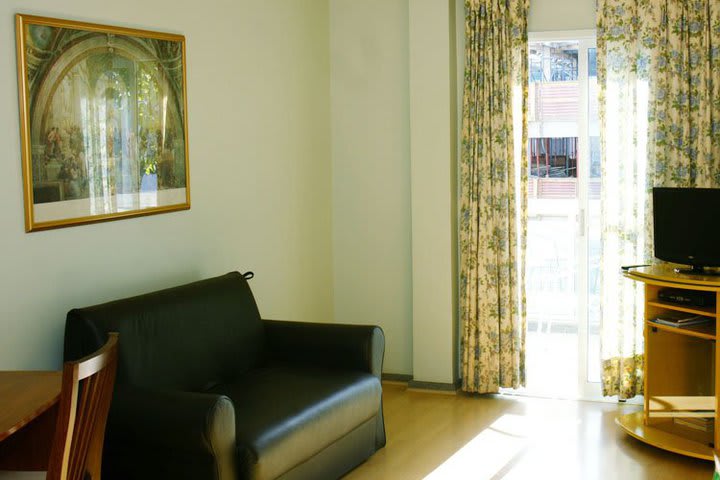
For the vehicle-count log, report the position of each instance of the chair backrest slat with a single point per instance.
(84, 405)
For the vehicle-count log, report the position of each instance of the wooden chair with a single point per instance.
(85, 396)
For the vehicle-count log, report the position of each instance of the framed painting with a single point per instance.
(103, 114)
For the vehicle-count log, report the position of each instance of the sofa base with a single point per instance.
(340, 457)
(330, 463)
(130, 462)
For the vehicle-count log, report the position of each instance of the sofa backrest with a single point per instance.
(188, 338)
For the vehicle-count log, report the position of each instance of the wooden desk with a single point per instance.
(28, 410)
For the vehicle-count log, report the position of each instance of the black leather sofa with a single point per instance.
(206, 389)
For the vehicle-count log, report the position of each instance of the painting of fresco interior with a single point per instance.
(106, 118)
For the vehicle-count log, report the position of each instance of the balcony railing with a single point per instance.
(553, 101)
(558, 188)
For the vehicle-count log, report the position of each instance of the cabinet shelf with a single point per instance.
(700, 331)
(681, 406)
(706, 311)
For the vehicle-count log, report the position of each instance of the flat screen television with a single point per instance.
(686, 227)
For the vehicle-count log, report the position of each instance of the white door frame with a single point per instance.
(586, 40)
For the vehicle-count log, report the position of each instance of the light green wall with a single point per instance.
(433, 148)
(371, 170)
(549, 15)
(259, 136)
(393, 250)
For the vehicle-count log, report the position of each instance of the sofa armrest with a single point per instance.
(356, 347)
(194, 423)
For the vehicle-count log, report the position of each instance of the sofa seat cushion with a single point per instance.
(285, 414)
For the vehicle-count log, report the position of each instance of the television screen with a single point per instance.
(686, 226)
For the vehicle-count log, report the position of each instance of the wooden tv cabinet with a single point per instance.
(680, 368)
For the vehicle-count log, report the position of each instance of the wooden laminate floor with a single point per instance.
(437, 436)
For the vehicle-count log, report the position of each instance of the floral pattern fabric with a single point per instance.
(659, 78)
(493, 195)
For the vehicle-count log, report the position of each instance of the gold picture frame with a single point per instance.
(103, 122)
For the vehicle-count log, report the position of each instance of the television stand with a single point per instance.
(681, 369)
(697, 270)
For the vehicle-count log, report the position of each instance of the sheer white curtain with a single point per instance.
(659, 78)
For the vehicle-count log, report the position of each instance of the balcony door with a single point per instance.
(563, 162)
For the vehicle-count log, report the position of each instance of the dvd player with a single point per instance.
(687, 297)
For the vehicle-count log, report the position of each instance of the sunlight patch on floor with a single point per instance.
(489, 452)
(497, 450)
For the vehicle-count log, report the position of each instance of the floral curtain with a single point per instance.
(659, 78)
(493, 195)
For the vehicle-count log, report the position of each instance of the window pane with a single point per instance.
(553, 112)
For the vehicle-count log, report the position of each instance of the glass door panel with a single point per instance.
(563, 220)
